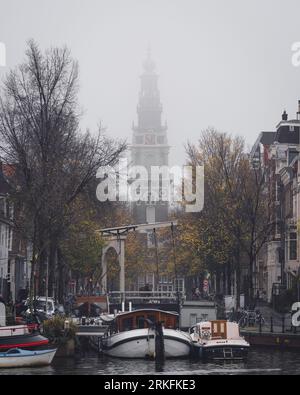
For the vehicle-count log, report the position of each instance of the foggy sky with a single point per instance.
(221, 63)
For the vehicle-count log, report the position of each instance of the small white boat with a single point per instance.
(17, 358)
(133, 335)
(219, 340)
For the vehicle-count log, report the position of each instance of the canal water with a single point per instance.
(260, 362)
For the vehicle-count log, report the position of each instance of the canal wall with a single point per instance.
(279, 340)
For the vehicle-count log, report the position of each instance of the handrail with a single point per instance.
(145, 294)
(14, 328)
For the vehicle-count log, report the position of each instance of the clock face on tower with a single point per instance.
(150, 139)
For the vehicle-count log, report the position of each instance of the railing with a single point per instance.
(15, 330)
(252, 322)
(144, 296)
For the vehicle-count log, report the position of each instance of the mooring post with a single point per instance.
(159, 342)
(260, 326)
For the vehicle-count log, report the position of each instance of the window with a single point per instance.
(164, 280)
(180, 285)
(139, 140)
(140, 322)
(151, 318)
(161, 140)
(127, 324)
(150, 139)
(193, 319)
(292, 154)
(150, 215)
(293, 246)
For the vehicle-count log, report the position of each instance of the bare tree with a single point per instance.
(40, 136)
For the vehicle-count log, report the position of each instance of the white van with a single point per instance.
(40, 305)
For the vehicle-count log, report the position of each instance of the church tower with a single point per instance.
(149, 144)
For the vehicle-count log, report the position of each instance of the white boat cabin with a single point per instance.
(216, 330)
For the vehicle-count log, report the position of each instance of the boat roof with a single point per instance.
(149, 310)
(122, 314)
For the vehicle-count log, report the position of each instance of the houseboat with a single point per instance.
(219, 340)
(136, 334)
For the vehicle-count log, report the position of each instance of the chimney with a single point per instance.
(284, 116)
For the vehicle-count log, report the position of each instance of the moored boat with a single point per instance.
(219, 340)
(135, 335)
(21, 336)
(16, 358)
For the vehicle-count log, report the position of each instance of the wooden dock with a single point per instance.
(91, 330)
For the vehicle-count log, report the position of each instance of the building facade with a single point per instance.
(14, 263)
(277, 154)
(5, 236)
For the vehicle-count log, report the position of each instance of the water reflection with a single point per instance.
(259, 362)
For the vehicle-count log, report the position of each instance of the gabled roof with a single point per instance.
(267, 138)
(264, 138)
(284, 133)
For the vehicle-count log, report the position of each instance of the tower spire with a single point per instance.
(149, 65)
(149, 51)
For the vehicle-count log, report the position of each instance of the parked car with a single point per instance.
(39, 305)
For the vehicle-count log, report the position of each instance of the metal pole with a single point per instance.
(47, 282)
(157, 259)
(175, 268)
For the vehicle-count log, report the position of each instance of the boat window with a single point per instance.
(152, 318)
(169, 323)
(14, 351)
(127, 324)
(140, 322)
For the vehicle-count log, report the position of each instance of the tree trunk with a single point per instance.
(42, 264)
(229, 274)
(32, 289)
(238, 279)
(250, 277)
(224, 280)
(61, 282)
(52, 267)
